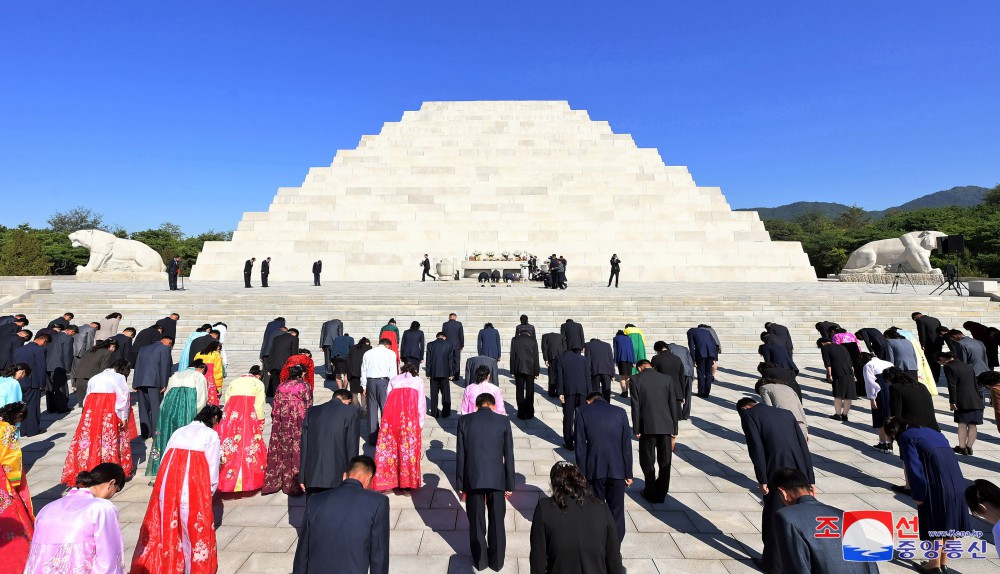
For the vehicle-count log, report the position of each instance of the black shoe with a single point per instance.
(900, 489)
(958, 450)
(883, 447)
(968, 450)
(835, 417)
(624, 394)
(759, 563)
(843, 418)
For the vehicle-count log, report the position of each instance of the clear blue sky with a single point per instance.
(194, 112)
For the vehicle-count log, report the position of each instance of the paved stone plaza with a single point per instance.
(710, 522)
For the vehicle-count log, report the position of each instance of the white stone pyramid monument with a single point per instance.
(532, 176)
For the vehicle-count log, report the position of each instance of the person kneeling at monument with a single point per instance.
(495, 276)
(484, 277)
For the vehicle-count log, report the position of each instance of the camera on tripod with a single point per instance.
(952, 246)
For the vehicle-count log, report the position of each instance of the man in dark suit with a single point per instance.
(265, 270)
(439, 355)
(124, 340)
(572, 333)
(327, 333)
(147, 336)
(248, 271)
(774, 440)
(524, 367)
(152, 371)
(317, 270)
(655, 411)
(330, 439)
(524, 326)
(795, 524)
(32, 386)
(604, 453)
(426, 264)
(787, 376)
(59, 362)
(553, 346)
(283, 346)
(782, 336)
(772, 351)
(168, 325)
(411, 347)
(704, 353)
(485, 478)
(346, 528)
(574, 385)
(64, 321)
(826, 328)
(10, 343)
(601, 359)
(12, 324)
(455, 333)
(198, 344)
(488, 342)
(667, 363)
(173, 270)
(963, 395)
(926, 329)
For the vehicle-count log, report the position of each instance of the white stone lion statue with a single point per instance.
(913, 250)
(110, 253)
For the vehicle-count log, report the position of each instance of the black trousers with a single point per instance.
(686, 409)
(440, 385)
(57, 397)
(569, 417)
(427, 273)
(172, 281)
(654, 450)
(486, 533)
(316, 279)
(705, 377)
(149, 410)
(553, 374)
(81, 391)
(327, 363)
(273, 380)
(772, 504)
(612, 491)
(601, 383)
(32, 424)
(246, 279)
(525, 396)
(614, 275)
(263, 279)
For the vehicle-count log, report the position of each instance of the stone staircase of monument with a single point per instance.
(738, 318)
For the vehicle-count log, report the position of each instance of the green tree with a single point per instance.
(853, 218)
(75, 219)
(992, 196)
(22, 254)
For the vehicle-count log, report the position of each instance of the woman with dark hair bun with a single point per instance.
(178, 533)
(354, 359)
(572, 532)
(399, 446)
(303, 359)
(983, 498)
(80, 531)
(211, 355)
(16, 516)
(10, 388)
(291, 400)
(109, 326)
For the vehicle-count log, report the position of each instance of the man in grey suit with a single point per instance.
(327, 333)
(346, 528)
(655, 411)
(682, 353)
(330, 439)
(795, 525)
(969, 351)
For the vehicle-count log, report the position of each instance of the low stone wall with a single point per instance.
(120, 277)
(888, 278)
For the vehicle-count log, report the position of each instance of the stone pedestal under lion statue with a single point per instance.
(880, 261)
(113, 259)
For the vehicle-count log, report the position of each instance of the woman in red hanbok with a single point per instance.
(399, 446)
(393, 337)
(178, 531)
(16, 518)
(291, 400)
(102, 434)
(304, 360)
(241, 433)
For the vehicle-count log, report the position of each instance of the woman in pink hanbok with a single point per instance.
(482, 385)
(399, 446)
(241, 433)
(79, 533)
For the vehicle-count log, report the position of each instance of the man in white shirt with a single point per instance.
(877, 390)
(377, 367)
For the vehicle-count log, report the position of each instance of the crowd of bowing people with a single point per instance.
(198, 449)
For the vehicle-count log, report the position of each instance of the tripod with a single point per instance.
(952, 281)
(901, 273)
(180, 272)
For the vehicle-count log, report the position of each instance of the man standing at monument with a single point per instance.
(485, 478)
(247, 271)
(704, 352)
(265, 270)
(455, 333)
(317, 269)
(615, 269)
(524, 367)
(173, 270)
(426, 264)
